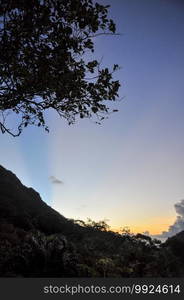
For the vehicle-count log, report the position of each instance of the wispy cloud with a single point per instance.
(55, 180)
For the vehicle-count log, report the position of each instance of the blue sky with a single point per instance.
(129, 170)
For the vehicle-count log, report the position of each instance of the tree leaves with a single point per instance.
(94, 109)
(42, 64)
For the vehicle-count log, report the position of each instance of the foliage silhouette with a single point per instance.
(43, 46)
(37, 241)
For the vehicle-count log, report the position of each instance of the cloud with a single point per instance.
(179, 207)
(55, 180)
(178, 224)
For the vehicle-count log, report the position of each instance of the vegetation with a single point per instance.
(44, 47)
(36, 241)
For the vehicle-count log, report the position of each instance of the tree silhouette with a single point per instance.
(43, 63)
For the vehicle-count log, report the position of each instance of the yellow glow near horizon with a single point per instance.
(155, 226)
(114, 183)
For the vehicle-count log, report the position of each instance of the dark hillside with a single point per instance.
(24, 208)
(176, 245)
(37, 241)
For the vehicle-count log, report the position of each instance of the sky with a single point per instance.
(130, 169)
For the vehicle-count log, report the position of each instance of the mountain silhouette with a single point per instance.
(19, 203)
(37, 241)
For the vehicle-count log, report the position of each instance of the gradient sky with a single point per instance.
(129, 170)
